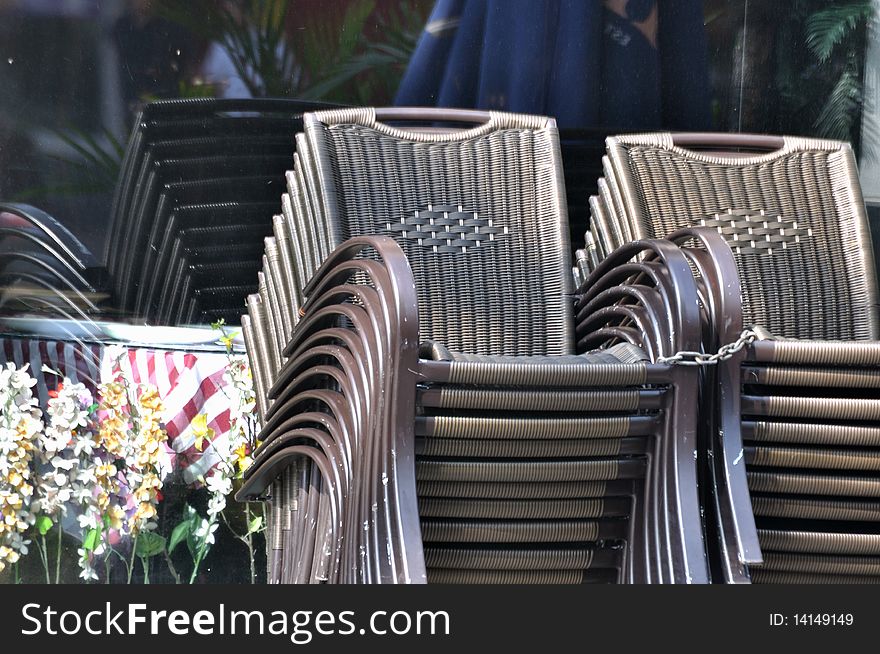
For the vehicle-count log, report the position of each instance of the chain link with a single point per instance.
(725, 352)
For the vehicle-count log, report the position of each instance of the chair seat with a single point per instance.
(520, 531)
(550, 577)
(620, 353)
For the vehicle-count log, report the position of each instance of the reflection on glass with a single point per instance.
(118, 212)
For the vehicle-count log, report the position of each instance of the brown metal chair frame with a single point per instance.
(350, 352)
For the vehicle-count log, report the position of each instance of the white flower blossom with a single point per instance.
(205, 531)
(218, 483)
(84, 445)
(87, 572)
(216, 504)
(20, 423)
(88, 520)
(82, 494)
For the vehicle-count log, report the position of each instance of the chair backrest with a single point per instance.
(177, 151)
(480, 213)
(791, 208)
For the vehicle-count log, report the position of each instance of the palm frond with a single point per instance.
(828, 27)
(353, 24)
(840, 111)
(328, 53)
(344, 73)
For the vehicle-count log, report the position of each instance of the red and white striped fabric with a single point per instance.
(189, 384)
(80, 362)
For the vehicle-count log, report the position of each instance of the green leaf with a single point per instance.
(353, 26)
(150, 544)
(194, 520)
(255, 524)
(179, 534)
(841, 109)
(828, 27)
(90, 542)
(106, 522)
(117, 145)
(43, 524)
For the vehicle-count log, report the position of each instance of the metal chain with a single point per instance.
(724, 352)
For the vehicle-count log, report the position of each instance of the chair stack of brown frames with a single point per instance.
(438, 402)
(797, 447)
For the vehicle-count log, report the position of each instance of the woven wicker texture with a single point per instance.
(834, 408)
(820, 542)
(836, 565)
(812, 484)
(770, 577)
(511, 490)
(518, 510)
(504, 284)
(532, 471)
(555, 375)
(616, 354)
(816, 472)
(824, 458)
(507, 449)
(426, 415)
(832, 353)
(810, 434)
(549, 577)
(785, 507)
(523, 428)
(500, 531)
(562, 400)
(508, 559)
(795, 222)
(804, 197)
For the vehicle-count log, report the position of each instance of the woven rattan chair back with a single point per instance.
(479, 212)
(794, 218)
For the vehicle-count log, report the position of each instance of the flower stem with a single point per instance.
(119, 556)
(247, 538)
(250, 544)
(58, 556)
(171, 567)
(134, 545)
(145, 562)
(44, 557)
(196, 563)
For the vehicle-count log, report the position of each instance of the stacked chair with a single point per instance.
(43, 267)
(197, 182)
(798, 414)
(188, 221)
(189, 215)
(582, 151)
(433, 402)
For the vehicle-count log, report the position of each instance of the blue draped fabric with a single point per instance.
(574, 59)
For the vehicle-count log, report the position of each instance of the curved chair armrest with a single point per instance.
(61, 239)
(653, 273)
(721, 289)
(360, 313)
(645, 293)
